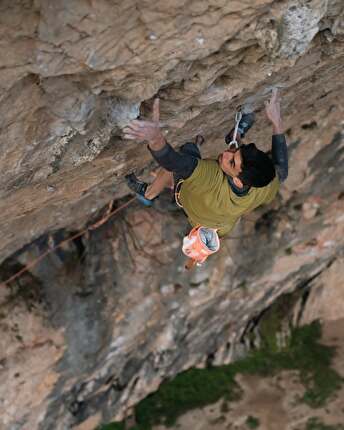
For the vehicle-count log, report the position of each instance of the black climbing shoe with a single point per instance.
(139, 187)
(245, 124)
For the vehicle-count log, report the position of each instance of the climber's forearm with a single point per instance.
(277, 127)
(158, 143)
(279, 148)
(279, 152)
(181, 164)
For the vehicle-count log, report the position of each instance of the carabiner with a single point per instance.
(238, 116)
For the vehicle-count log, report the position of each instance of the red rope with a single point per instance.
(80, 233)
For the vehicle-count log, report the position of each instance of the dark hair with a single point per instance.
(257, 167)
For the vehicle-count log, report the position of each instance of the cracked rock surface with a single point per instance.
(99, 323)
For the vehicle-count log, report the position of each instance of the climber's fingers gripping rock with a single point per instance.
(272, 107)
(145, 130)
(141, 130)
(273, 112)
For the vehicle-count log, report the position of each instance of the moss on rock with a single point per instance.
(252, 422)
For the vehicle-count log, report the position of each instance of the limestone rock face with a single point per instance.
(73, 73)
(98, 324)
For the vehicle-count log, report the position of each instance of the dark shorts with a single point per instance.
(188, 148)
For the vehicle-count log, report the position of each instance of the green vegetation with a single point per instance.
(114, 426)
(272, 321)
(243, 285)
(196, 388)
(316, 424)
(191, 389)
(252, 422)
(304, 354)
(288, 250)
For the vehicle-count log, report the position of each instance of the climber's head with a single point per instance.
(231, 164)
(247, 166)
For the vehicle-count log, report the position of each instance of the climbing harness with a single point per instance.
(177, 193)
(199, 244)
(234, 144)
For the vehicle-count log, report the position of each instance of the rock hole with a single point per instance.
(80, 247)
(75, 408)
(324, 95)
(118, 385)
(210, 359)
(309, 126)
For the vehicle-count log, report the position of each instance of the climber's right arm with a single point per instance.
(181, 164)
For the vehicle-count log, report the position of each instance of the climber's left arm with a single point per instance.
(279, 152)
(279, 148)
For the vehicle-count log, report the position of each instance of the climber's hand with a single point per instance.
(273, 111)
(142, 130)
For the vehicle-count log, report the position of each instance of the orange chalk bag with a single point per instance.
(199, 244)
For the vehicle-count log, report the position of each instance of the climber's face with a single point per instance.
(230, 162)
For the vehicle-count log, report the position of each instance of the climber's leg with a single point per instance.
(163, 179)
(147, 193)
(139, 187)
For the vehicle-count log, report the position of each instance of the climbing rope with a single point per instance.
(109, 213)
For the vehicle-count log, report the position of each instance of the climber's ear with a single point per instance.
(238, 182)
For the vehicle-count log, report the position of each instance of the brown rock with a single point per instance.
(90, 328)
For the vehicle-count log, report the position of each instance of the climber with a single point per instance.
(214, 193)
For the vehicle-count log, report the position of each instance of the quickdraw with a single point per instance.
(234, 141)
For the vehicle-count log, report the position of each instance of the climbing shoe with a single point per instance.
(246, 122)
(139, 187)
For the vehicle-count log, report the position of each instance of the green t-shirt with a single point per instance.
(209, 201)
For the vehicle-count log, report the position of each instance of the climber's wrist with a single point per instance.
(277, 127)
(157, 143)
